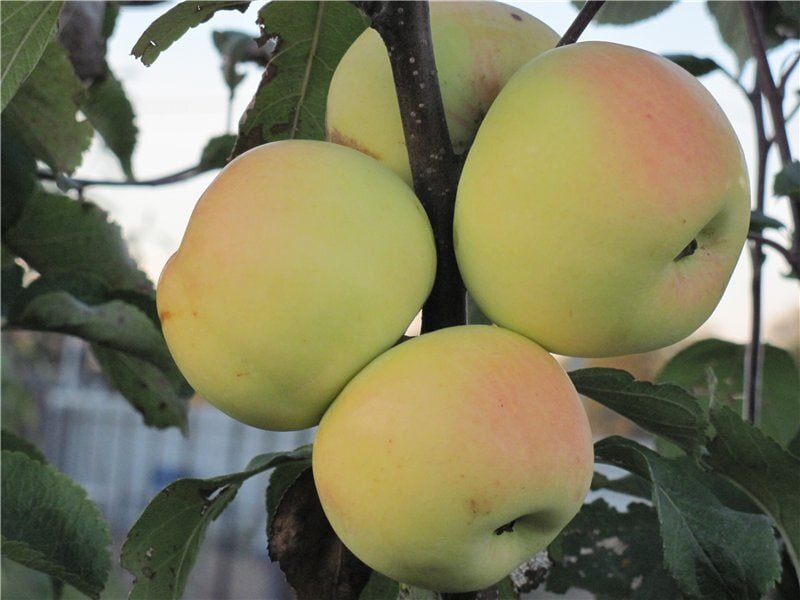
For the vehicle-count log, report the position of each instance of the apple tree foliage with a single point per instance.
(713, 512)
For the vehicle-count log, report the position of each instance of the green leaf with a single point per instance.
(506, 590)
(56, 234)
(13, 443)
(612, 554)
(80, 305)
(237, 47)
(110, 112)
(778, 26)
(290, 101)
(696, 65)
(10, 282)
(710, 550)
(380, 587)
(718, 366)
(171, 26)
(163, 543)
(794, 444)
(625, 12)
(216, 152)
(44, 112)
(301, 540)
(665, 410)
(787, 182)
(49, 525)
(160, 396)
(630, 485)
(759, 222)
(768, 473)
(25, 30)
(19, 175)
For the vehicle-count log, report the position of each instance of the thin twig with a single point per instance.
(585, 16)
(405, 29)
(794, 264)
(80, 184)
(787, 72)
(774, 99)
(755, 350)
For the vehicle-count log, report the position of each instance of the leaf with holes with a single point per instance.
(163, 543)
(171, 26)
(710, 550)
(25, 30)
(311, 38)
(49, 524)
(612, 553)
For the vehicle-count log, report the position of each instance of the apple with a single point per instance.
(454, 457)
(604, 203)
(301, 262)
(477, 45)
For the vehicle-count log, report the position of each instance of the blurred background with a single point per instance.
(53, 392)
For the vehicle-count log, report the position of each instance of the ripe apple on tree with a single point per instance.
(478, 46)
(454, 457)
(603, 204)
(286, 283)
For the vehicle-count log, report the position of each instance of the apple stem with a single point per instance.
(405, 29)
(585, 16)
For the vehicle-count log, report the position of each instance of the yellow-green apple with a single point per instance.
(454, 457)
(301, 263)
(477, 46)
(604, 203)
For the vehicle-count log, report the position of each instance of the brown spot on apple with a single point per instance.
(335, 136)
(164, 315)
(480, 506)
(516, 17)
(242, 374)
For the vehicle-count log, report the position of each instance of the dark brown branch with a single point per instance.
(755, 350)
(405, 29)
(787, 72)
(793, 261)
(774, 99)
(585, 16)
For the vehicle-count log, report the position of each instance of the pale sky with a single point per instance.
(181, 102)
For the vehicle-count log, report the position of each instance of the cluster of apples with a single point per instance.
(602, 207)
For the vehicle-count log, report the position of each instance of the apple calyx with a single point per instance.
(508, 527)
(690, 249)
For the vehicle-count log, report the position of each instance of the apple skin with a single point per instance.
(595, 167)
(301, 262)
(478, 46)
(442, 441)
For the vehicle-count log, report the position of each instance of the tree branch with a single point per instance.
(794, 263)
(405, 29)
(774, 99)
(80, 184)
(585, 16)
